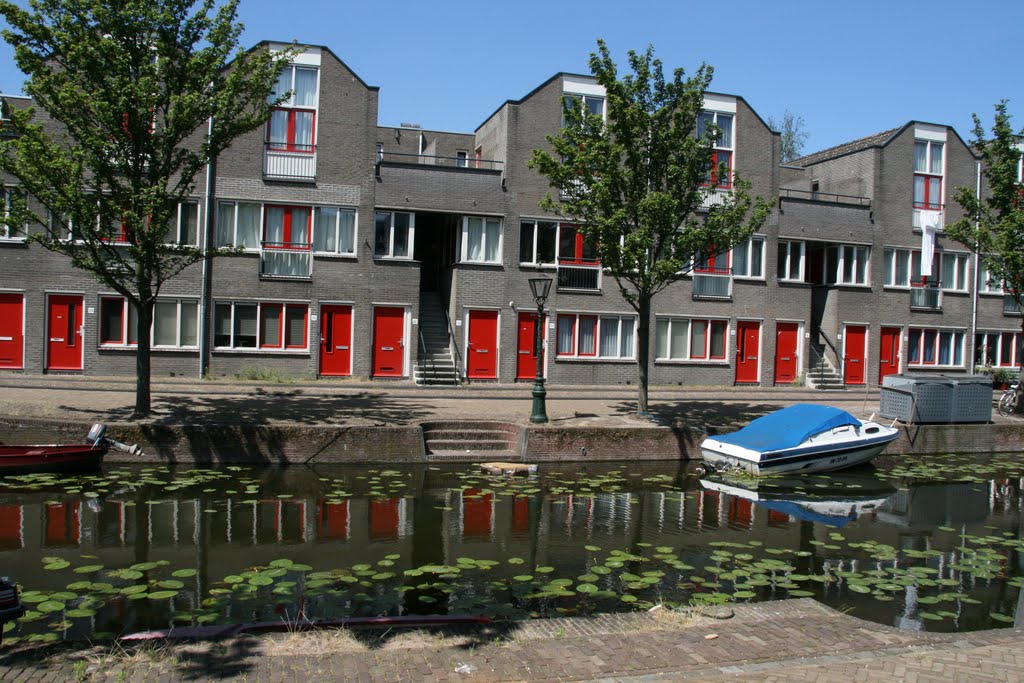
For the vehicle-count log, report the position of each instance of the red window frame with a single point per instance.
(720, 158)
(282, 322)
(578, 247)
(928, 204)
(286, 227)
(289, 144)
(574, 318)
(711, 263)
(724, 325)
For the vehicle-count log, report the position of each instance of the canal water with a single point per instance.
(919, 543)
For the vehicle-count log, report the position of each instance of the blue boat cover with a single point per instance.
(788, 427)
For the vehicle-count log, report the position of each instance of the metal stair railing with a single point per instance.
(453, 346)
(835, 352)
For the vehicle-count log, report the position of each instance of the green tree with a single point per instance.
(144, 93)
(635, 183)
(792, 135)
(993, 225)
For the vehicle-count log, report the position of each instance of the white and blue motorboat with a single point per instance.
(800, 438)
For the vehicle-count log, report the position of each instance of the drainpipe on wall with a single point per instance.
(205, 286)
(977, 279)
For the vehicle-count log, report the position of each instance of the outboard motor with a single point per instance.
(96, 434)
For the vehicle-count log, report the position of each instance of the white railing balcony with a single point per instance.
(287, 260)
(915, 218)
(712, 284)
(296, 162)
(926, 298)
(714, 198)
(581, 275)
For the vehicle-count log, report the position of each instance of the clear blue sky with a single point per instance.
(849, 69)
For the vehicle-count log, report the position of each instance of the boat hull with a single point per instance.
(803, 460)
(32, 459)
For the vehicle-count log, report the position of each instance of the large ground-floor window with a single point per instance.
(595, 336)
(690, 339)
(263, 325)
(935, 347)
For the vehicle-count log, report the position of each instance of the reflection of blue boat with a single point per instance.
(800, 438)
(837, 504)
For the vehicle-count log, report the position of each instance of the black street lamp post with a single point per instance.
(539, 286)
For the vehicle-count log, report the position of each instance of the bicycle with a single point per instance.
(1008, 400)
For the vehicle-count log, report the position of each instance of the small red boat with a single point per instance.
(25, 459)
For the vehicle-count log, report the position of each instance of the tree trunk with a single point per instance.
(144, 319)
(643, 346)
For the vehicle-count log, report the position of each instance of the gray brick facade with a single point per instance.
(856, 196)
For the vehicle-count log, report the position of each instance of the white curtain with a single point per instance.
(304, 131)
(347, 232)
(474, 239)
(305, 88)
(492, 239)
(275, 224)
(248, 231)
(324, 229)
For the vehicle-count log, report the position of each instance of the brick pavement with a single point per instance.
(795, 640)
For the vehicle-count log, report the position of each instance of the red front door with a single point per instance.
(526, 356)
(482, 351)
(12, 331)
(853, 356)
(889, 353)
(785, 352)
(388, 342)
(748, 334)
(335, 340)
(64, 332)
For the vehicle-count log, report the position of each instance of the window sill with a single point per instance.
(994, 295)
(911, 366)
(334, 255)
(262, 352)
(13, 240)
(395, 259)
(715, 362)
(486, 264)
(153, 349)
(596, 359)
(748, 278)
(538, 266)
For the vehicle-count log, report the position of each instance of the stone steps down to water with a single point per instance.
(470, 440)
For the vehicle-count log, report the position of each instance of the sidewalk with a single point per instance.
(795, 640)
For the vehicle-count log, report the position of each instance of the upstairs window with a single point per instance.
(481, 240)
(183, 228)
(334, 230)
(287, 227)
(462, 159)
(790, 264)
(720, 167)
(7, 231)
(292, 125)
(552, 242)
(988, 283)
(928, 172)
(713, 262)
(238, 224)
(393, 235)
(953, 276)
(590, 104)
(748, 258)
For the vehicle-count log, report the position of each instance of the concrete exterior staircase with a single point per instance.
(822, 376)
(434, 362)
(472, 441)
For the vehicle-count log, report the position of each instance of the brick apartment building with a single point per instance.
(403, 253)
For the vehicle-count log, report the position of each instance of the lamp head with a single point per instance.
(540, 287)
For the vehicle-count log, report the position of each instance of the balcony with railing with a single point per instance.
(926, 297)
(1010, 305)
(466, 162)
(579, 275)
(289, 162)
(286, 260)
(712, 283)
(715, 197)
(923, 209)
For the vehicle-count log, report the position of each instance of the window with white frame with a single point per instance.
(853, 265)
(998, 349)
(175, 323)
(897, 267)
(7, 231)
(481, 240)
(334, 230)
(183, 228)
(543, 242)
(690, 339)
(595, 336)
(988, 284)
(462, 159)
(953, 276)
(928, 172)
(263, 325)
(719, 173)
(238, 225)
(935, 347)
(790, 264)
(590, 104)
(748, 258)
(393, 234)
(292, 126)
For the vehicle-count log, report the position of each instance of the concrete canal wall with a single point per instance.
(216, 444)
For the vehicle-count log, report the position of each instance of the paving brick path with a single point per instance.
(796, 640)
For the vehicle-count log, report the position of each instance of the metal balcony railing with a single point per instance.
(289, 162)
(714, 198)
(292, 260)
(926, 297)
(467, 162)
(581, 275)
(712, 284)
